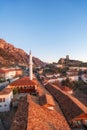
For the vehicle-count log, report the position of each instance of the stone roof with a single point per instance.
(68, 107)
(21, 116)
(1, 125)
(31, 116)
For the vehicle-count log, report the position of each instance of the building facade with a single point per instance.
(6, 96)
(6, 74)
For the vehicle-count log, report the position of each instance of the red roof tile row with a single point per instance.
(5, 91)
(25, 81)
(7, 70)
(40, 118)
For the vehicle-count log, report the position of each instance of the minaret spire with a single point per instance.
(30, 66)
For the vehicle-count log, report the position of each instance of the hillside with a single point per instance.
(11, 56)
(70, 62)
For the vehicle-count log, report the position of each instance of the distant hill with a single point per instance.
(69, 62)
(11, 56)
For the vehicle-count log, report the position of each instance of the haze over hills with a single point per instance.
(11, 56)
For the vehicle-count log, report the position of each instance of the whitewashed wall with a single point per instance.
(5, 106)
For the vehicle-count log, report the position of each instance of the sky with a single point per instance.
(51, 29)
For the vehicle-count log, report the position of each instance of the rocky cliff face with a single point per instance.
(10, 55)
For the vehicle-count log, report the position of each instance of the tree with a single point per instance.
(66, 82)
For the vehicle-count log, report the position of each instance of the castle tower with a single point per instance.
(30, 66)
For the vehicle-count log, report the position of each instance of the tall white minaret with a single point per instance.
(30, 66)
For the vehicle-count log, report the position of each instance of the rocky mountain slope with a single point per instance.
(10, 56)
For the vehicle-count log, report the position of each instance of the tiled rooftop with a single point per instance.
(65, 88)
(25, 81)
(31, 116)
(5, 91)
(68, 107)
(8, 70)
(40, 118)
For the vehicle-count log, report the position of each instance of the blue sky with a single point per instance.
(50, 28)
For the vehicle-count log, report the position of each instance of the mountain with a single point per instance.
(11, 56)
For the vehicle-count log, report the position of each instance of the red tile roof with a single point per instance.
(40, 118)
(25, 81)
(32, 116)
(65, 88)
(3, 71)
(82, 116)
(5, 91)
(8, 70)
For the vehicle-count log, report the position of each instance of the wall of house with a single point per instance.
(56, 79)
(5, 101)
(2, 75)
(78, 68)
(10, 74)
(74, 78)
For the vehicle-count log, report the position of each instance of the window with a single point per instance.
(0, 105)
(3, 99)
(0, 99)
(5, 105)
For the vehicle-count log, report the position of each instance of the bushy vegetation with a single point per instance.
(73, 84)
(15, 91)
(52, 69)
